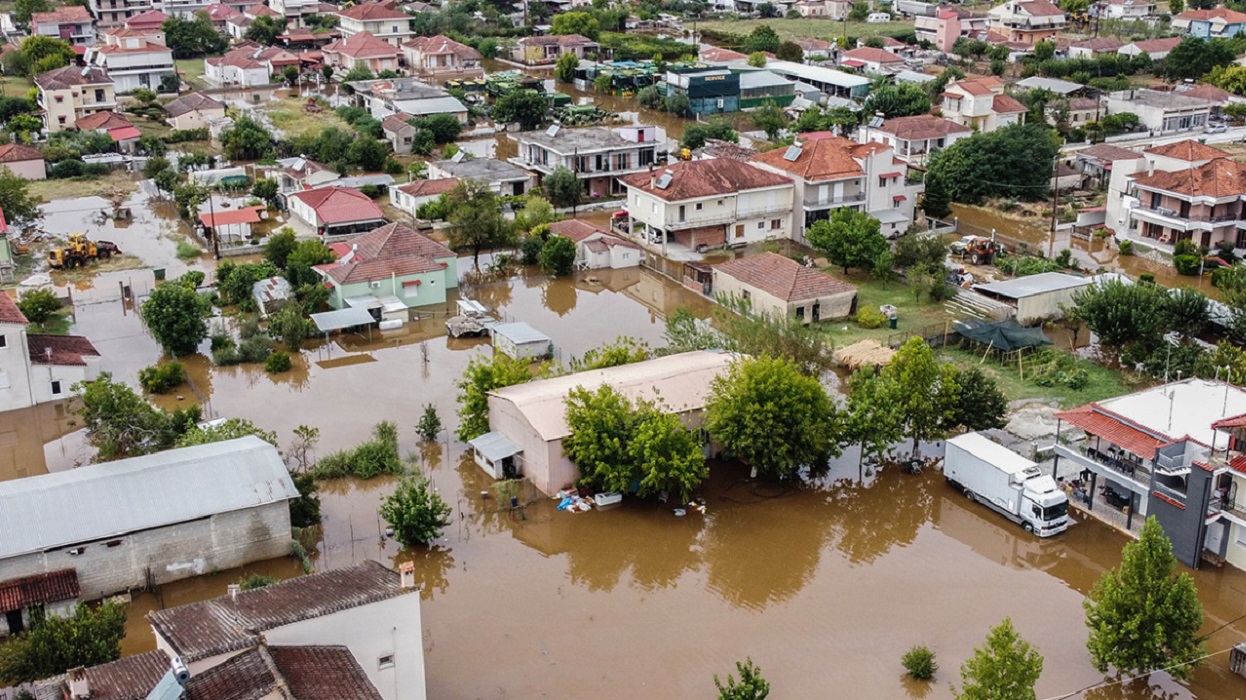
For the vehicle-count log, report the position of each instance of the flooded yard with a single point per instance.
(824, 587)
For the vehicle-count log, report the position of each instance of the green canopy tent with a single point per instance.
(1005, 336)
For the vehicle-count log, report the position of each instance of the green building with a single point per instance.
(763, 87)
(390, 270)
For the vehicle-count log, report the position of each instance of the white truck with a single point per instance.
(1007, 482)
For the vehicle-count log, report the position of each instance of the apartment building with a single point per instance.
(70, 93)
(73, 23)
(382, 20)
(1162, 112)
(708, 204)
(1026, 21)
(113, 13)
(981, 104)
(831, 173)
(597, 155)
(135, 63)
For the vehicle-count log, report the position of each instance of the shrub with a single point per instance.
(1126, 247)
(941, 291)
(160, 379)
(277, 362)
(38, 305)
(254, 581)
(186, 249)
(869, 317)
(920, 663)
(222, 341)
(376, 456)
(1187, 264)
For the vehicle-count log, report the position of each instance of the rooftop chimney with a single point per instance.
(653, 177)
(79, 688)
(406, 571)
(233, 591)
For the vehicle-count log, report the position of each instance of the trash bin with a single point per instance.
(892, 322)
(159, 272)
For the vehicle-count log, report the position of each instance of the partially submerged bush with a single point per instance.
(920, 663)
(160, 379)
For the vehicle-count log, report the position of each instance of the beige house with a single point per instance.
(431, 55)
(981, 104)
(382, 20)
(709, 203)
(194, 111)
(23, 161)
(528, 422)
(595, 247)
(776, 285)
(542, 50)
(362, 49)
(70, 93)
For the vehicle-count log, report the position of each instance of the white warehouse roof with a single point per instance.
(114, 498)
(1033, 285)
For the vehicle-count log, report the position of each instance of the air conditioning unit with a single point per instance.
(376, 285)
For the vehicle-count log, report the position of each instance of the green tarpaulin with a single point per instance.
(1004, 335)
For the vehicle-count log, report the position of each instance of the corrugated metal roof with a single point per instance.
(1031, 285)
(106, 500)
(520, 333)
(342, 318)
(494, 446)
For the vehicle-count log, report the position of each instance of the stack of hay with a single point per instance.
(864, 353)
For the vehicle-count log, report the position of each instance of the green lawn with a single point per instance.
(287, 114)
(1104, 382)
(810, 28)
(191, 70)
(912, 318)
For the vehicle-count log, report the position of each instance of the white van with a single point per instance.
(878, 17)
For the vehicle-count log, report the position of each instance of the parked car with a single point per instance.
(1216, 128)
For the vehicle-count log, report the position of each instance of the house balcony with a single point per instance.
(700, 221)
(1135, 477)
(1173, 219)
(1032, 23)
(834, 202)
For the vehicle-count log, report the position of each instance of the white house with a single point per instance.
(1127, 9)
(335, 210)
(1162, 112)
(56, 593)
(501, 177)
(409, 197)
(194, 111)
(134, 63)
(36, 369)
(597, 248)
(776, 285)
(981, 104)
(382, 20)
(913, 139)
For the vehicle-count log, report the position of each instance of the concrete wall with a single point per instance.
(1041, 307)
(28, 169)
(1185, 526)
(195, 119)
(387, 628)
(171, 553)
(534, 459)
(15, 389)
(61, 608)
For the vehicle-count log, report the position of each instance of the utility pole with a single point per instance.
(1055, 202)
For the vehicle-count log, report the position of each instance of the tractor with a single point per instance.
(80, 250)
(981, 251)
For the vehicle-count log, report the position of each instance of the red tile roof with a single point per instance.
(60, 350)
(340, 205)
(398, 240)
(362, 45)
(70, 76)
(713, 53)
(783, 277)
(149, 19)
(397, 122)
(1113, 430)
(322, 673)
(220, 12)
(1154, 46)
(869, 54)
(1107, 153)
(564, 40)
(705, 178)
(429, 188)
(193, 102)
(143, 46)
(69, 14)
(978, 86)
(433, 45)
(129, 678)
(1221, 13)
(820, 159)
(576, 229)
(242, 215)
(1039, 8)
(40, 589)
(9, 313)
(1004, 104)
(17, 152)
(1207, 92)
(374, 11)
(102, 121)
(1221, 177)
(258, 10)
(1099, 44)
(1188, 150)
(921, 127)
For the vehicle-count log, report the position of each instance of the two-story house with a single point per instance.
(1162, 112)
(433, 55)
(1202, 204)
(112, 13)
(949, 23)
(362, 49)
(597, 155)
(70, 93)
(1026, 21)
(73, 23)
(1127, 9)
(981, 104)
(394, 267)
(1120, 167)
(185, 9)
(382, 20)
(830, 173)
(135, 63)
(295, 10)
(542, 50)
(36, 369)
(913, 139)
(1173, 452)
(1218, 22)
(708, 203)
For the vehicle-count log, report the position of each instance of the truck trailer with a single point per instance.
(1006, 482)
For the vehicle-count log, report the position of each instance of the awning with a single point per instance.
(245, 215)
(1112, 430)
(890, 175)
(852, 62)
(363, 302)
(494, 446)
(125, 133)
(898, 198)
(342, 318)
(391, 304)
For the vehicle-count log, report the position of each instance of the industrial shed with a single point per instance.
(520, 341)
(1036, 297)
(150, 519)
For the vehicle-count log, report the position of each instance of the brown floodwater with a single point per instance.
(823, 587)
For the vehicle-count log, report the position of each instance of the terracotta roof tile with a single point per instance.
(17, 152)
(1039, 8)
(921, 127)
(439, 44)
(1099, 44)
(373, 11)
(1154, 46)
(821, 159)
(69, 14)
(150, 18)
(1216, 178)
(1107, 153)
(192, 102)
(338, 205)
(322, 673)
(705, 178)
(69, 76)
(218, 626)
(398, 239)
(243, 677)
(396, 122)
(40, 589)
(783, 277)
(870, 54)
(1188, 150)
(62, 350)
(716, 54)
(1216, 13)
(576, 229)
(1207, 92)
(220, 12)
(259, 10)
(429, 188)
(978, 86)
(9, 313)
(102, 121)
(393, 249)
(362, 45)
(138, 47)
(129, 678)
(1003, 104)
(1113, 430)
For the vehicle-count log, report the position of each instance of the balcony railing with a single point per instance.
(1084, 455)
(1198, 218)
(834, 201)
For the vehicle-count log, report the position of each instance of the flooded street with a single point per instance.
(823, 587)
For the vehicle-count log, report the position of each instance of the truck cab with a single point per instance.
(1044, 507)
(1006, 482)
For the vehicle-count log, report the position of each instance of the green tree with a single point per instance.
(763, 38)
(860, 11)
(359, 72)
(368, 153)
(564, 68)
(769, 415)
(229, 429)
(23, 126)
(39, 305)
(482, 376)
(290, 326)
(1143, 615)
(1186, 311)
(280, 244)
(757, 59)
(53, 644)
(557, 257)
(582, 23)
(47, 53)
(770, 118)
(1230, 78)
(476, 220)
(667, 455)
(23, 9)
(1005, 668)
(120, 424)
(445, 128)
(981, 405)
(247, 139)
(265, 30)
(536, 210)
(696, 133)
(600, 423)
(902, 100)
(936, 201)
(850, 238)
(527, 107)
(1122, 314)
(751, 685)
(193, 37)
(1000, 163)
(290, 73)
(429, 425)
(1044, 51)
(790, 51)
(177, 318)
(564, 189)
(416, 511)
(925, 392)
